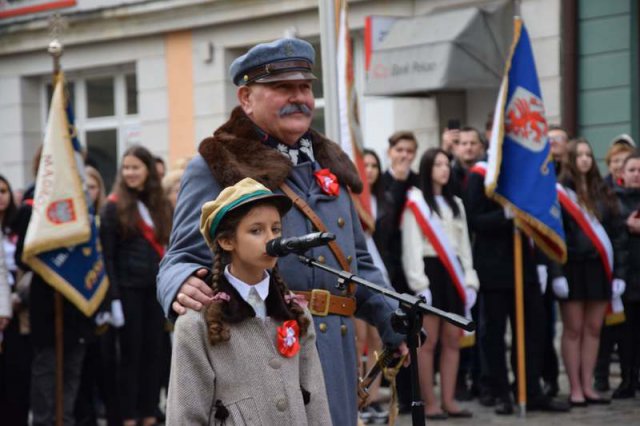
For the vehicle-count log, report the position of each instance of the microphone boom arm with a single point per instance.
(406, 300)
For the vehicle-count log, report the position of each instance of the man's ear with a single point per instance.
(226, 243)
(244, 98)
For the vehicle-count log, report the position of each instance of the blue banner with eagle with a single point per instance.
(521, 173)
(61, 243)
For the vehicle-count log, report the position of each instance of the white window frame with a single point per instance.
(121, 121)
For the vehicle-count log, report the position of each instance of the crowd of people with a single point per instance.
(193, 240)
(113, 371)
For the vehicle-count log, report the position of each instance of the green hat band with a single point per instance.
(223, 211)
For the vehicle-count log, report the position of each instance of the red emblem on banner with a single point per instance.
(61, 211)
(288, 338)
(328, 182)
(525, 122)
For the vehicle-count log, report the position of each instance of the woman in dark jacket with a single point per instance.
(135, 225)
(586, 288)
(629, 196)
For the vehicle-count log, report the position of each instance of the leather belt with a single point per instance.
(323, 303)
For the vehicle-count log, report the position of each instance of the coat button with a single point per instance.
(281, 405)
(275, 363)
(344, 329)
(349, 258)
(323, 327)
(321, 259)
(341, 222)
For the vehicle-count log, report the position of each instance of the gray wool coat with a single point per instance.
(247, 374)
(232, 154)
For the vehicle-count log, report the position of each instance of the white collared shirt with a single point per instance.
(243, 288)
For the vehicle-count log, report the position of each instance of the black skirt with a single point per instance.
(587, 280)
(443, 290)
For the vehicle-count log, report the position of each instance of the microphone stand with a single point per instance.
(406, 320)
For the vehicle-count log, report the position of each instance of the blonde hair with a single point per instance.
(95, 174)
(171, 179)
(616, 149)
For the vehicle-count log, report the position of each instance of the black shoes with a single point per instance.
(548, 404)
(462, 414)
(437, 416)
(487, 400)
(503, 406)
(625, 390)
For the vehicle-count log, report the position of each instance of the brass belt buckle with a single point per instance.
(315, 294)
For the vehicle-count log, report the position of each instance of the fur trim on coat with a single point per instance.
(235, 152)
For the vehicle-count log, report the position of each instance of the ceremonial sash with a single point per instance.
(145, 230)
(431, 227)
(592, 228)
(596, 233)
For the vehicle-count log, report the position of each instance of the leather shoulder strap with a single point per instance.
(317, 222)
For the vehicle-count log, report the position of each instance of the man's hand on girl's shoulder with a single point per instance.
(193, 294)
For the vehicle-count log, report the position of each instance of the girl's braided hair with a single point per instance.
(218, 329)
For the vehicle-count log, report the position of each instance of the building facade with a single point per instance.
(155, 72)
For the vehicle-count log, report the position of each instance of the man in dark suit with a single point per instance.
(493, 257)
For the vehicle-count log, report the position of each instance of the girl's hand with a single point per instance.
(193, 294)
(560, 287)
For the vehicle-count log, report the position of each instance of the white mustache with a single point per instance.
(294, 108)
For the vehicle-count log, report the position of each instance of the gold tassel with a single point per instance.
(390, 374)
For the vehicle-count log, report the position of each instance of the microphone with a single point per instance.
(283, 246)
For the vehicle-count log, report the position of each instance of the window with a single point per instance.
(105, 103)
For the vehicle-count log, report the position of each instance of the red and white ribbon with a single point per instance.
(596, 233)
(431, 227)
(590, 225)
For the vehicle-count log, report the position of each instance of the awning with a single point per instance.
(446, 50)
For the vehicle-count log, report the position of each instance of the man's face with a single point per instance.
(283, 109)
(469, 148)
(559, 144)
(404, 151)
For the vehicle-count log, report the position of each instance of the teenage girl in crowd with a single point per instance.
(629, 196)
(433, 207)
(15, 346)
(134, 229)
(250, 356)
(586, 289)
(367, 336)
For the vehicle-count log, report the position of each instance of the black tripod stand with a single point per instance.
(406, 320)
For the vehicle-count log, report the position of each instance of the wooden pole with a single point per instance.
(519, 302)
(59, 326)
(55, 50)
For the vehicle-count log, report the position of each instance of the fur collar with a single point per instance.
(234, 152)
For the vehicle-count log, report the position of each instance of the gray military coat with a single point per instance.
(233, 153)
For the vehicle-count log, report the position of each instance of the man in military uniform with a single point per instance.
(268, 138)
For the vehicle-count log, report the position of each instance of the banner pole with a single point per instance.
(59, 358)
(55, 50)
(519, 303)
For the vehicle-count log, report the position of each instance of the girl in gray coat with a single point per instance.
(250, 357)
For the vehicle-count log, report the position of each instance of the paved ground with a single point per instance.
(620, 413)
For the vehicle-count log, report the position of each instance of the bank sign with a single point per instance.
(450, 50)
